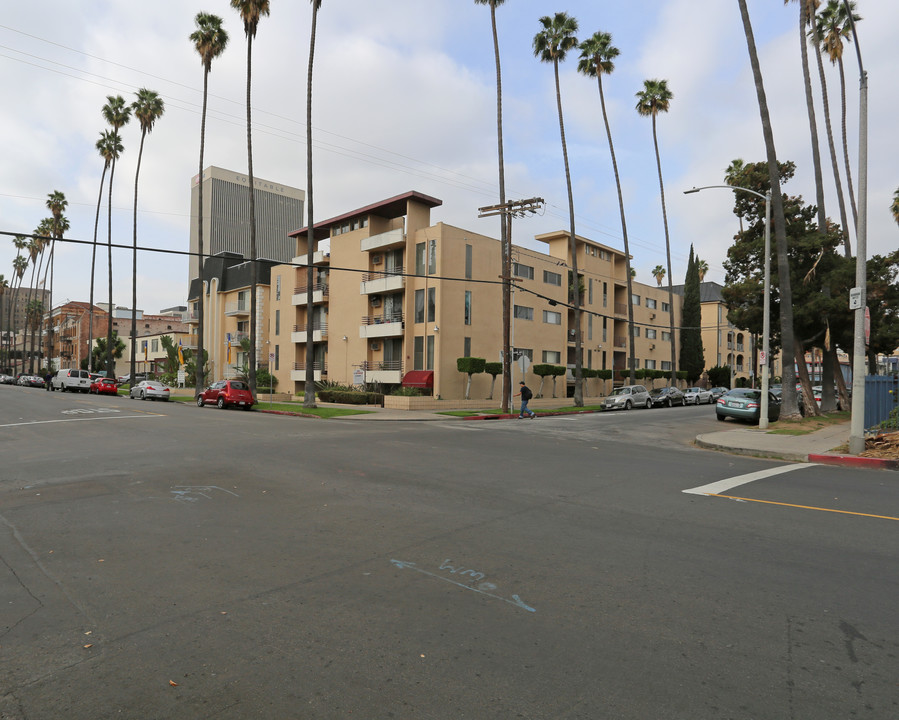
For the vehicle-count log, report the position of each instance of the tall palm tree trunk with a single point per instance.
(812, 119)
(309, 389)
(199, 379)
(655, 143)
(505, 226)
(110, 367)
(90, 318)
(627, 254)
(847, 246)
(133, 355)
(572, 249)
(253, 252)
(852, 202)
(789, 408)
(29, 318)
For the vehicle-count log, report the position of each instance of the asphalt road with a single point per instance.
(166, 561)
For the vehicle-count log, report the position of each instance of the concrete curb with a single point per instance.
(854, 461)
(752, 452)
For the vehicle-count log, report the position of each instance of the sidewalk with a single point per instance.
(814, 447)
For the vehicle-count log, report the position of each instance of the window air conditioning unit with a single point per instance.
(376, 301)
(375, 345)
(376, 259)
(652, 316)
(652, 347)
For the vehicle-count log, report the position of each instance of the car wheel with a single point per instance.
(627, 405)
(143, 395)
(720, 417)
(221, 403)
(247, 407)
(669, 402)
(199, 401)
(648, 404)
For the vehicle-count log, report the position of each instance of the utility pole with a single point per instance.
(510, 209)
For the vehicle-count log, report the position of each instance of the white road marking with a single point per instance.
(79, 419)
(717, 488)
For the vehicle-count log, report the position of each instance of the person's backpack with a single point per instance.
(526, 393)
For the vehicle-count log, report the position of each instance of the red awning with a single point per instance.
(419, 379)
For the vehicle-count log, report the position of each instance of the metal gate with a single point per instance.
(881, 402)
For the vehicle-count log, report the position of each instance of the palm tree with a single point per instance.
(655, 97)
(56, 204)
(894, 207)
(505, 226)
(117, 114)
(148, 108)
(658, 272)
(250, 12)
(833, 26)
(110, 147)
(702, 267)
(210, 41)
(4, 288)
(35, 254)
(733, 171)
(19, 265)
(789, 408)
(816, 33)
(551, 45)
(309, 387)
(597, 59)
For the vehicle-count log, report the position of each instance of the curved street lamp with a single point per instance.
(766, 320)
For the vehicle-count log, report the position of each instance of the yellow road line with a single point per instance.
(805, 507)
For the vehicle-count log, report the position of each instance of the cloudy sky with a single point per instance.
(405, 100)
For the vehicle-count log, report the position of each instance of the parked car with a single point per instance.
(104, 386)
(666, 397)
(149, 390)
(32, 381)
(717, 392)
(72, 380)
(126, 379)
(7, 379)
(626, 397)
(227, 393)
(697, 396)
(746, 404)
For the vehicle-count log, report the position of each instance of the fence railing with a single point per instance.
(379, 274)
(382, 318)
(391, 365)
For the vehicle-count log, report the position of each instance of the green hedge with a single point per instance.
(350, 397)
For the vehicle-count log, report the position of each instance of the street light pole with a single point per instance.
(766, 319)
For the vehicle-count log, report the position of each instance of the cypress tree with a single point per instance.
(691, 358)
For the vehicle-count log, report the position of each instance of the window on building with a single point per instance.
(524, 313)
(666, 365)
(650, 365)
(277, 357)
(432, 257)
(468, 307)
(553, 318)
(432, 304)
(636, 331)
(666, 307)
(278, 287)
(277, 322)
(466, 347)
(605, 330)
(468, 263)
(590, 292)
(418, 353)
(419, 306)
(154, 345)
(605, 254)
(522, 271)
(419, 258)
(552, 356)
(605, 295)
(651, 303)
(635, 299)
(666, 336)
(589, 327)
(518, 352)
(650, 334)
(552, 278)
(430, 358)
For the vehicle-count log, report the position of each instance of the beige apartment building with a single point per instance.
(393, 293)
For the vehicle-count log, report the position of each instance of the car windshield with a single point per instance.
(658, 391)
(621, 391)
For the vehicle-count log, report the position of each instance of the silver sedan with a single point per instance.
(149, 390)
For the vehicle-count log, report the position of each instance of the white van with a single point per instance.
(71, 379)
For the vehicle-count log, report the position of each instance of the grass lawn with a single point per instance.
(290, 407)
(808, 424)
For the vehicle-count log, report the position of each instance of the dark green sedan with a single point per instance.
(746, 404)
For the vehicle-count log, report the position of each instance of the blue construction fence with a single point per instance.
(881, 402)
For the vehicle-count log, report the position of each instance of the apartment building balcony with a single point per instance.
(620, 341)
(238, 338)
(383, 371)
(384, 241)
(374, 283)
(189, 342)
(319, 332)
(384, 325)
(237, 309)
(192, 318)
(621, 308)
(298, 373)
(319, 257)
(319, 294)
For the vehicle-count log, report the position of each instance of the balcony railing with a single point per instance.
(321, 325)
(316, 365)
(382, 318)
(380, 274)
(237, 308)
(620, 341)
(621, 308)
(388, 365)
(318, 287)
(238, 337)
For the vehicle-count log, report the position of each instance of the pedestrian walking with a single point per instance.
(526, 395)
